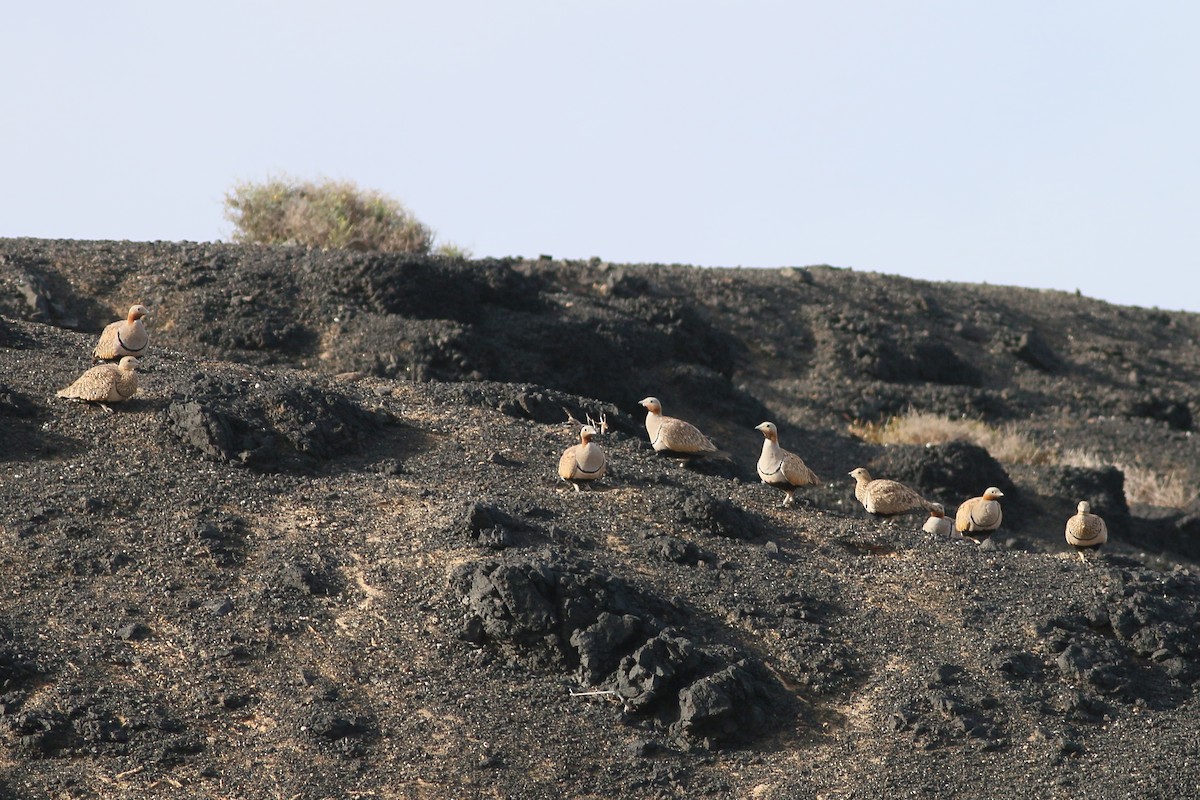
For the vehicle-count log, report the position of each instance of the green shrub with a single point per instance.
(328, 214)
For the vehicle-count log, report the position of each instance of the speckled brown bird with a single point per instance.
(938, 523)
(583, 462)
(1086, 531)
(979, 517)
(105, 383)
(674, 437)
(784, 470)
(885, 497)
(126, 337)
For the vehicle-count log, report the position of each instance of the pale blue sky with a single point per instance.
(1043, 144)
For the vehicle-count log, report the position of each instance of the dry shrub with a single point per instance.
(328, 214)
(917, 427)
(1143, 486)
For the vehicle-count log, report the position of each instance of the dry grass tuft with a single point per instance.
(917, 427)
(1143, 486)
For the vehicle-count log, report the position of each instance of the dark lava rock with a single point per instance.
(677, 550)
(132, 632)
(14, 404)
(566, 614)
(1034, 350)
(527, 401)
(269, 427)
(309, 579)
(1103, 488)
(657, 670)
(875, 351)
(1021, 666)
(1177, 414)
(223, 535)
(728, 704)
(714, 516)
(489, 525)
(950, 472)
(600, 644)
(220, 606)
(338, 725)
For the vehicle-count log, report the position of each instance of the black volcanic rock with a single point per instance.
(1103, 488)
(268, 427)
(949, 472)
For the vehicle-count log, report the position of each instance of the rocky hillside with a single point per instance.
(323, 552)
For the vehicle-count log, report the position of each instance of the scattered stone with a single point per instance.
(219, 607)
(133, 632)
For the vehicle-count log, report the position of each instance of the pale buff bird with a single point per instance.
(1086, 531)
(979, 517)
(105, 383)
(125, 337)
(584, 461)
(674, 437)
(781, 469)
(885, 497)
(938, 523)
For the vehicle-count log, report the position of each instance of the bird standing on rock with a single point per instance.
(1086, 531)
(127, 337)
(979, 517)
(582, 462)
(781, 469)
(938, 523)
(673, 437)
(885, 497)
(105, 383)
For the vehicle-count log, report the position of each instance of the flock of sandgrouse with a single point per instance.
(125, 340)
(977, 518)
(107, 382)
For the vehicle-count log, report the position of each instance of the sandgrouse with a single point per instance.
(125, 337)
(885, 497)
(779, 468)
(105, 383)
(582, 462)
(938, 523)
(1086, 531)
(674, 437)
(979, 517)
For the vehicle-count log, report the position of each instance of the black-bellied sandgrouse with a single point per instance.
(1085, 530)
(674, 437)
(979, 517)
(938, 523)
(784, 470)
(583, 462)
(105, 383)
(885, 497)
(126, 337)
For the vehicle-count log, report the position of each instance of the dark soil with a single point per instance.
(324, 552)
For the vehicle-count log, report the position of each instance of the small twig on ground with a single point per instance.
(602, 425)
